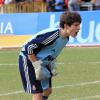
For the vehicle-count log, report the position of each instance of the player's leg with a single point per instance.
(47, 90)
(46, 93)
(37, 96)
(30, 84)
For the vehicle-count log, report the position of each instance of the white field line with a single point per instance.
(80, 62)
(79, 84)
(8, 64)
(11, 93)
(87, 97)
(58, 87)
(59, 63)
(7, 52)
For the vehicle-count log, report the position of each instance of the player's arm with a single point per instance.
(31, 48)
(37, 66)
(34, 46)
(32, 57)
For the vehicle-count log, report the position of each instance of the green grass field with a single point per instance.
(78, 78)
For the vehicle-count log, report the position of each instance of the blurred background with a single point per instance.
(20, 19)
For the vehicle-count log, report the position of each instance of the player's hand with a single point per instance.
(53, 67)
(38, 69)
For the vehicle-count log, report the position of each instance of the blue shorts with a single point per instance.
(30, 84)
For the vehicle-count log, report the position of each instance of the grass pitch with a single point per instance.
(78, 78)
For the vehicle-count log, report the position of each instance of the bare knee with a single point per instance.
(37, 96)
(47, 92)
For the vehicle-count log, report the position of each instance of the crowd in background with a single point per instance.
(72, 5)
(61, 5)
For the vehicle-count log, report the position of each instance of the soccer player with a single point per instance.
(38, 55)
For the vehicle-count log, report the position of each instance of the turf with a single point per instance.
(78, 75)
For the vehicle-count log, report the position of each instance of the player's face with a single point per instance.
(74, 29)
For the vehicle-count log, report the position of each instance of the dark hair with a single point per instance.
(69, 18)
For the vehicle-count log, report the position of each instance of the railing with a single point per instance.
(89, 6)
(25, 7)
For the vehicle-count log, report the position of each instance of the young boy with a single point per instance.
(37, 56)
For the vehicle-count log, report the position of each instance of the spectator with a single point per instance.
(58, 5)
(97, 4)
(1, 2)
(50, 5)
(73, 5)
(66, 4)
(9, 1)
(55, 5)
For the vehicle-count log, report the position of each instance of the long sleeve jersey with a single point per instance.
(46, 46)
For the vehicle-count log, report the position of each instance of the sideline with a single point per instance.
(85, 98)
(59, 63)
(62, 86)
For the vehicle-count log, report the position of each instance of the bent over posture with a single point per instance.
(37, 56)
